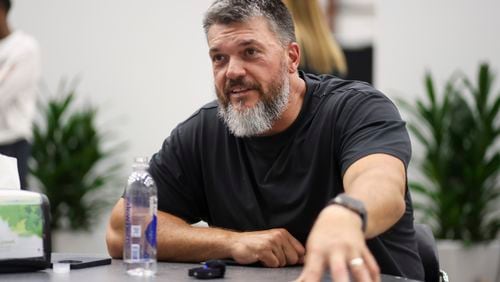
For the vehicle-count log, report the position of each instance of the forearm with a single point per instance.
(381, 188)
(179, 241)
(176, 240)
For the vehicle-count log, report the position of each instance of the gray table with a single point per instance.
(166, 272)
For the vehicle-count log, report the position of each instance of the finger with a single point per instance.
(314, 267)
(360, 272)
(291, 255)
(301, 260)
(268, 259)
(296, 245)
(280, 255)
(372, 266)
(338, 268)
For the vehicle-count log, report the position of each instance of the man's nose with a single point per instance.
(235, 69)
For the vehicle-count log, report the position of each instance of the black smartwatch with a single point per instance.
(352, 204)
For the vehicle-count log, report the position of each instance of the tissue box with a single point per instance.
(24, 231)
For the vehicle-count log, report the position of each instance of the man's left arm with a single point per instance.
(379, 182)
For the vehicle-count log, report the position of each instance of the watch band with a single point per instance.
(352, 204)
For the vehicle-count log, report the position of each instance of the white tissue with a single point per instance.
(9, 176)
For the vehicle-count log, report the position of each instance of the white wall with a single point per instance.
(144, 63)
(413, 36)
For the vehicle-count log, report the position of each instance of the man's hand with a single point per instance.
(337, 242)
(273, 248)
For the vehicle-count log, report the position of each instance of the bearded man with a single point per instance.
(285, 167)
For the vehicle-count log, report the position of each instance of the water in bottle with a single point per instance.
(139, 251)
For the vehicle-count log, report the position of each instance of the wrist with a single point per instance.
(353, 205)
(341, 217)
(220, 242)
(231, 244)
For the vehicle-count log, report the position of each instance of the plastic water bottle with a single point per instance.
(139, 251)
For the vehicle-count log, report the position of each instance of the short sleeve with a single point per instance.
(176, 175)
(369, 123)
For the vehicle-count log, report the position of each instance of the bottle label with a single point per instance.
(135, 231)
(151, 232)
(135, 252)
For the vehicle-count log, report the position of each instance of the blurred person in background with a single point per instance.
(320, 51)
(352, 23)
(19, 76)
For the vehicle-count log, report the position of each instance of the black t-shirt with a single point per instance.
(203, 172)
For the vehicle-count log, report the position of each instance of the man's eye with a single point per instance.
(250, 52)
(217, 58)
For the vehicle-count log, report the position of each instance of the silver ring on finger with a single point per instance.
(356, 262)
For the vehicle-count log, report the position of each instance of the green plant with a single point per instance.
(461, 159)
(66, 152)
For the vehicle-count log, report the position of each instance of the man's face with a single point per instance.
(251, 75)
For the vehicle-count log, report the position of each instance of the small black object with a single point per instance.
(79, 262)
(211, 269)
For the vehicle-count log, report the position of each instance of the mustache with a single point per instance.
(241, 82)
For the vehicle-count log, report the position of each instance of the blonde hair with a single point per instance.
(320, 51)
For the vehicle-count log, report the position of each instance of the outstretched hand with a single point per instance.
(273, 248)
(337, 242)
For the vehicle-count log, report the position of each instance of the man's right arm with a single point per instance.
(179, 241)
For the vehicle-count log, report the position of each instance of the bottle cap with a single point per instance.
(141, 162)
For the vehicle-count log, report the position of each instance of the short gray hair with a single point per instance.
(238, 11)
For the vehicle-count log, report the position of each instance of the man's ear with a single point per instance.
(293, 57)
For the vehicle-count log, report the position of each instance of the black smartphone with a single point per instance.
(80, 261)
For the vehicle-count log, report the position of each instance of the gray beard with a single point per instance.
(260, 118)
